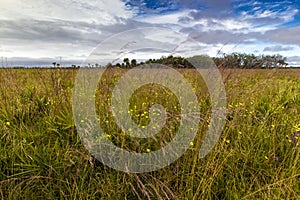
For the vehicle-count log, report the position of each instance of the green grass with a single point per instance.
(42, 157)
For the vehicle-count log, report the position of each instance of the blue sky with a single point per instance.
(39, 32)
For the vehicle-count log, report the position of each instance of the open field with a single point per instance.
(42, 156)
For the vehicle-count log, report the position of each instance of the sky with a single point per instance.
(40, 32)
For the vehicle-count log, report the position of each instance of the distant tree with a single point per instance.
(109, 65)
(200, 61)
(127, 62)
(150, 61)
(281, 61)
(175, 62)
(242, 60)
(133, 63)
(233, 60)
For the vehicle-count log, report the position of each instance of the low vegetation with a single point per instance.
(42, 156)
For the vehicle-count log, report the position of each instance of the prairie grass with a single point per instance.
(42, 156)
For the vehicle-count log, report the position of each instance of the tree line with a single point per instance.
(233, 60)
(242, 60)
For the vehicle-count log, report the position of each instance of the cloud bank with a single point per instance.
(39, 29)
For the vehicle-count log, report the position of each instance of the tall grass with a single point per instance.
(42, 155)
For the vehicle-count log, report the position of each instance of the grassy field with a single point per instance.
(42, 156)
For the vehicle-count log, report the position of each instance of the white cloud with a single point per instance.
(278, 48)
(183, 19)
(229, 25)
(48, 28)
(271, 12)
(38, 50)
(92, 11)
(294, 61)
(170, 18)
(244, 23)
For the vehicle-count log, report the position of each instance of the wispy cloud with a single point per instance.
(278, 48)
